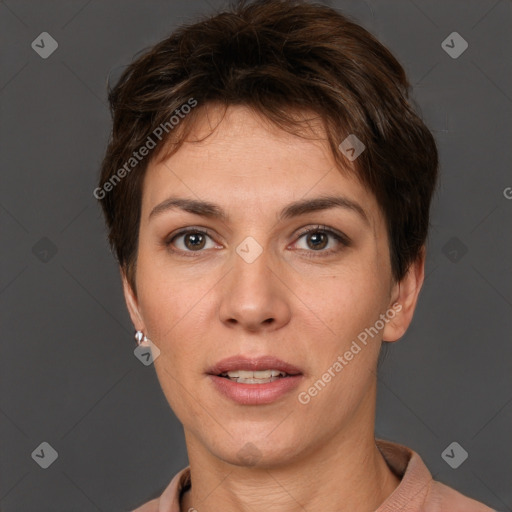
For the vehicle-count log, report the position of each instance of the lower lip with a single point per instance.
(255, 394)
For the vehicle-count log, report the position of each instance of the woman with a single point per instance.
(267, 190)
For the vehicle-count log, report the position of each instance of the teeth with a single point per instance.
(260, 374)
(254, 377)
(254, 381)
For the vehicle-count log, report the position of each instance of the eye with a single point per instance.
(322, 239)
(191, 240)
(315, 239)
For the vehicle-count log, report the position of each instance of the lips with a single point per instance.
(235, 363)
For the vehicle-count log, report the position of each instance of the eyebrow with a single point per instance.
(295, 209)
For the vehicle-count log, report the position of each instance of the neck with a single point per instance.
(347, 469)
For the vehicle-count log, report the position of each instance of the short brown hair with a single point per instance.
(276, 57)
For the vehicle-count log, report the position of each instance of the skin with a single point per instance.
(211, 304)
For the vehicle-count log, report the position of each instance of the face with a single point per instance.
(271, 274)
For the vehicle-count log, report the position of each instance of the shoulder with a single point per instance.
(417, 490)
(150, 506)
(170, 498)
(441, 498)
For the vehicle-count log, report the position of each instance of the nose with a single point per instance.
(254, 298)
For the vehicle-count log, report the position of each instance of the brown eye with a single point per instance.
(317, 240)
(322, 240)
(191, 240)
(194, 241)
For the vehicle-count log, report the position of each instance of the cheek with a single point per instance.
(346, 307)
(172, 309)
(167, 294)
(178, 313)
(345, 303)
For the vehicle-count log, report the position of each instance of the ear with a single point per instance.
(404, 298)
(132, 303)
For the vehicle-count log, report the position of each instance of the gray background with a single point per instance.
(68, 373)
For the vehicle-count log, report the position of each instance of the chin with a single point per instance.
(259, 451)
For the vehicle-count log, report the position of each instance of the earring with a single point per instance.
(140, 337)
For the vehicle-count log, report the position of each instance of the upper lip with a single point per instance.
(258, 363)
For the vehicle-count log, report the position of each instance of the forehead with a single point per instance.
(240, 154)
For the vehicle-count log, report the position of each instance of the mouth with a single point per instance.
(255, 381)
(255, 368)
(254, 377)
(260, 370)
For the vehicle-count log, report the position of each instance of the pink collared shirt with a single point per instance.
(417, 491)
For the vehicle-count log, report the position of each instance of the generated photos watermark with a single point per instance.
(304, 397)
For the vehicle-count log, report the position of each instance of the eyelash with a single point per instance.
(339, 237)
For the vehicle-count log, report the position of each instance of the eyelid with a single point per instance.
(168, 241)
(187, 230)
(341, 237)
